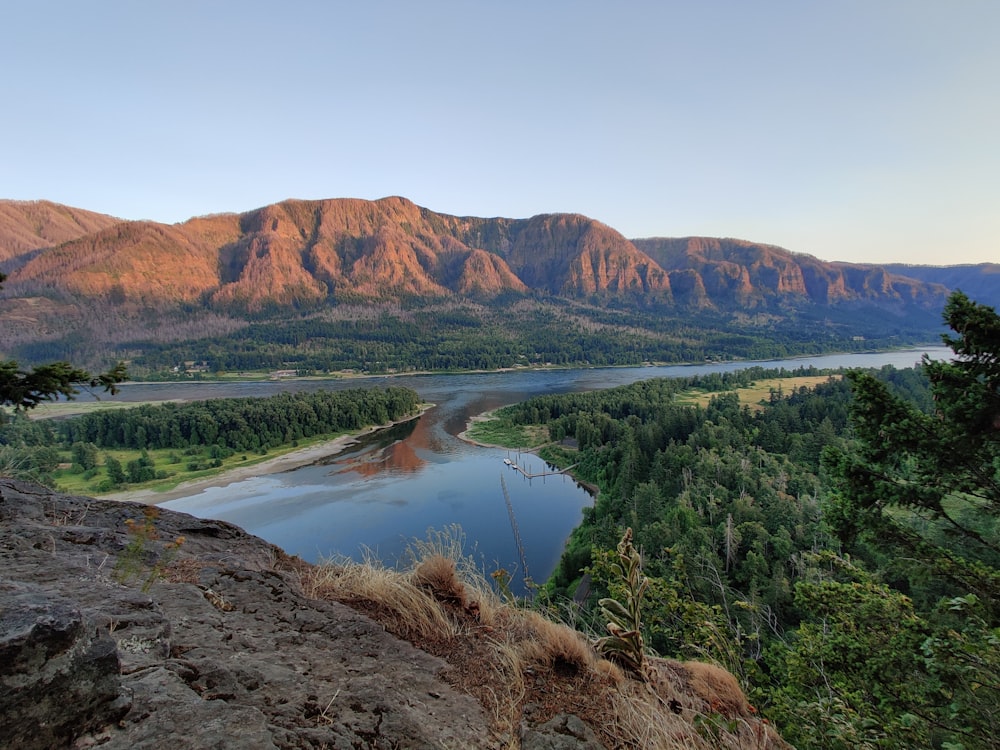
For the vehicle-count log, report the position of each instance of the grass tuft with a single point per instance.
(406, 610)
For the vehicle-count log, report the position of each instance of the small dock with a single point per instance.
(528, 475)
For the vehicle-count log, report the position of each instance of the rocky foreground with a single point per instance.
(116, 633)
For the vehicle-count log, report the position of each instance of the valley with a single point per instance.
(767, 509)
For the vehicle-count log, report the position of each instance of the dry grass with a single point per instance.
(525, 668)
(718, 688)
(641, 718)
(405, 609)
(757, 395)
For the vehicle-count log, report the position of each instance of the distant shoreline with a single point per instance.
(263, 377)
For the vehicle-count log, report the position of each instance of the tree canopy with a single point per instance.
(928, 484)
(25, 389)
(837, 548)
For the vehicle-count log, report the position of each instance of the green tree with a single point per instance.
(924, 487)
(85, 455)
(25, 389)
(852, 675)
(928, 484)
(116, 474)
(140, 469)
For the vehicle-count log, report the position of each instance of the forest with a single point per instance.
(836, 548)
(195, 436)
(471, 337)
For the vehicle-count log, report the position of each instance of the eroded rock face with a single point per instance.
(59, 674)
(226, 653)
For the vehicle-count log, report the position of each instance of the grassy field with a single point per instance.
(171, 466)
(492, 431)
(758, 395)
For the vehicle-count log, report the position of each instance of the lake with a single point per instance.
(379, 495)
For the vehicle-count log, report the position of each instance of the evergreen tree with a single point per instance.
(116, 474)
(928, 484)
(924, 489)
(25, 389)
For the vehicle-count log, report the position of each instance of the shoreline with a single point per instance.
(348, 375)
(294, 459)
(485, 416)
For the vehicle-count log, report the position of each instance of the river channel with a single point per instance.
(395, 485)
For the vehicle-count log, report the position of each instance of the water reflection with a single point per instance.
(394, 485)
(391, 450)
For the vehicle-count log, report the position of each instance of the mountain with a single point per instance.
(313, 252)
(308, 252)
(26, 226)
(85, 285)
(721, 272)
(981, 282)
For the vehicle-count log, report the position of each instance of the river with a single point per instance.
(394, 486)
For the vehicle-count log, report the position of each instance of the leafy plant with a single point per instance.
(624, 641)
(502, 578)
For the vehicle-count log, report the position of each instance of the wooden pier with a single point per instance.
(528, 475)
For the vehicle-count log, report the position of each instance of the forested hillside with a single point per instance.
(386, 285)
(837, 548)
(473, 337)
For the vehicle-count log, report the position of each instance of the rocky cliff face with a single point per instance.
(980, 282)
(573, 256)
(116, 633)
(719, 272)
(223, 650)
(313, 252)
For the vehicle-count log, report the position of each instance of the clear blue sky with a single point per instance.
(859, 130)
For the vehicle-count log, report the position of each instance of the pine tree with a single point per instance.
(928, 484)
(923, 488)
(25, 389)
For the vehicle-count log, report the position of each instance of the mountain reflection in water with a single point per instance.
(395, 451)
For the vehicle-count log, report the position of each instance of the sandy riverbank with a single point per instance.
(285, 462)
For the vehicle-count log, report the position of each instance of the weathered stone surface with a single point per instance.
(58, 673)
(238, 657)
(562, 732)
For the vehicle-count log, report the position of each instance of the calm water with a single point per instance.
(400, 483)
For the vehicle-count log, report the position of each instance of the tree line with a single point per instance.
(240, 424)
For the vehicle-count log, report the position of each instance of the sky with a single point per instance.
(854, 130)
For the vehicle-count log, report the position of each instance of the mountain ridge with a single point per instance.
(85, 284)
(26, 226)
(305, 251)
